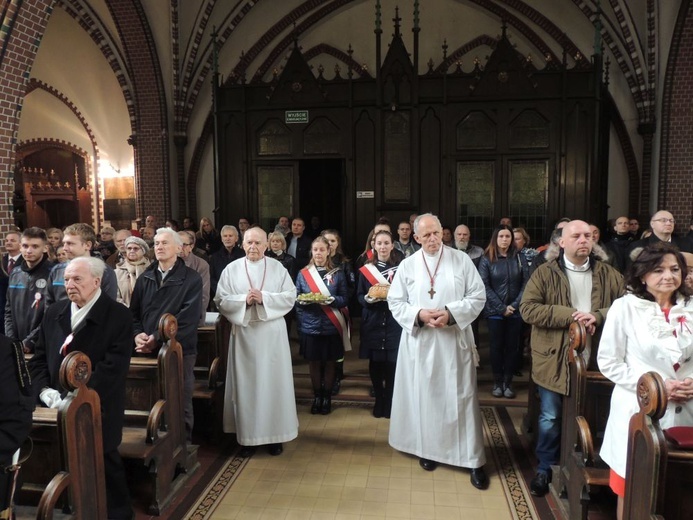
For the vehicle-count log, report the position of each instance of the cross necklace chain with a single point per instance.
(432, 277)
(263, 274)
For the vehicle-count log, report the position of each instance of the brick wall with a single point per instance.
(150, 137)
(21, 30)
(676, 163)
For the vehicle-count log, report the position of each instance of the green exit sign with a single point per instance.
(296, 116)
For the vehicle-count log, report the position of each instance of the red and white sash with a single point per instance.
(372, 274)
(314, 281)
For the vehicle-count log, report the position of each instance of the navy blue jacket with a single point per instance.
(312, 319)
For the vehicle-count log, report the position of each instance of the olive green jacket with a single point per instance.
(546, 306)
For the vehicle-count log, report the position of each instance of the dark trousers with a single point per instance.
(117, 494)
(504, 339)
(188, 388)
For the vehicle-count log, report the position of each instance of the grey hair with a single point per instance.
(96, 265)
(418, 219)
(174, 234)
(228, 227)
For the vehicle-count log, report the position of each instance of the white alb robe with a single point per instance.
(435, 407)
(259, 402)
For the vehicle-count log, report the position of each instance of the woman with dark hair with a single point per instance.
(648, 329)
(208, 238)
(380, 332)
(448, 237)
(504, 272)
(322, 329)
(522, 244)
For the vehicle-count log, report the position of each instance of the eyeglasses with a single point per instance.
(664, 220)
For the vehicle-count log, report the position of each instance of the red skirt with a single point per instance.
(617, 483)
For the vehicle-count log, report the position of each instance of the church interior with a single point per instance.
(349, 111)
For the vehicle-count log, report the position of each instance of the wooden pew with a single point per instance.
(584, 416)
(210, 374)
(155, 434)
(80, 484)
(659, 478)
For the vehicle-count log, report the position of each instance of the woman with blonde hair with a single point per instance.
(208, 238)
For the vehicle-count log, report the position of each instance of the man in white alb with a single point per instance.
(435, 296)
(254, 293)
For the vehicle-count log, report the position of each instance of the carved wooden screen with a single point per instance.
(527, 196)
(397, 175)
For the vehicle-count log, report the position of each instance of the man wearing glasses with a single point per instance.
(198, 264)
(662, 225)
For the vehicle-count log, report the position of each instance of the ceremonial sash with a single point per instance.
(373, 275)
(314, 281)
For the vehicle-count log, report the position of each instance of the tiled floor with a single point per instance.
(341, 467)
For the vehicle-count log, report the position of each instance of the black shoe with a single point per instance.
(540, 484)
(246, 451)
(317, 403)
(275, 449)
(428, 465)
(336, 386)
(478, 478)
(379, 408)
(326, 406)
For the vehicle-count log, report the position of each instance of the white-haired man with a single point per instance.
(95, 324)
(435, 296)
(168, 285)
(255, 294)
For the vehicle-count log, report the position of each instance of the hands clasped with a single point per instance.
(435, 318)
(588, 320)
(145, 343)
(254, 297)
(679, 391)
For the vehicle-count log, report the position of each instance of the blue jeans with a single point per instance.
(548, 448)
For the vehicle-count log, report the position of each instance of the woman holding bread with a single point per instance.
(323, 329)
(380, 332)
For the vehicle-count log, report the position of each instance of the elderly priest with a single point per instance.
(254, 293)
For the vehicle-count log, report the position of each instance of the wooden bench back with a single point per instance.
(81, 445)
(659, 479)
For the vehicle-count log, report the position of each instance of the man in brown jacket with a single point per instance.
(574, 286)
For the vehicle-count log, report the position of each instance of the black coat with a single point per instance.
(218, 262)
(505, 281)
(180, 295)
(16, 403)
(288, 261)
(379, 330)
(303, 247)
(106, 337)
(4, 281)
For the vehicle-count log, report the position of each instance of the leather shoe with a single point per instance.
(246, 451)
(539, 485)
(478, 478)
(428, 465)
(275, 449)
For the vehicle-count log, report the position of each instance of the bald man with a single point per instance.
(662, 224)
(573, 287)
(620, 242)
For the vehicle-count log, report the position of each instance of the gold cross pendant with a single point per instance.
(431, 292)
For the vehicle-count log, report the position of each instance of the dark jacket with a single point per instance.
(210, 243)
(618, 247)
(56, 284)
(218, 262)
(679, 242)
(16, 402)
(312, 319)
(180, 294)
(379, 330)
(26, 301)
(288, 261)
(505, 280)
(302, 249)
(5, 278)
(105, 336)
